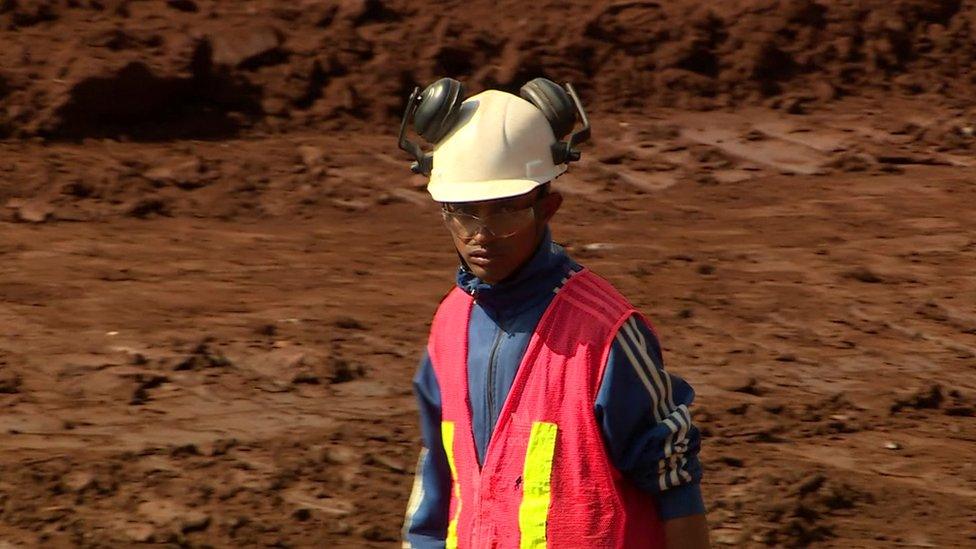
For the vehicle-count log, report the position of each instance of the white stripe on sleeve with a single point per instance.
(651, 390)
(416, 495)
(646, 368)
(671, 469)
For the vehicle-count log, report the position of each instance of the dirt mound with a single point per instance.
(208, 68)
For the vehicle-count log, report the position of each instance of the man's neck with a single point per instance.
(535, 279)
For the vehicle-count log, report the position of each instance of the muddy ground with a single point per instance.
(213, 295)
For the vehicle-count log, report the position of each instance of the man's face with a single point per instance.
(496, 237)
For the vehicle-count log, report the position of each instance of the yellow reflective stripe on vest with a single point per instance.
(536, 484)
(447, 435)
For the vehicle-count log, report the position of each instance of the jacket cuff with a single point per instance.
(680, 501)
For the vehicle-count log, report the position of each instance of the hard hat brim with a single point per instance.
(477, 191)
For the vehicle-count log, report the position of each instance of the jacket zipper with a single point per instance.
(490, 394)
(489, 387)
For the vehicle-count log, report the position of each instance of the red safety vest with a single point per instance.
(546, 480)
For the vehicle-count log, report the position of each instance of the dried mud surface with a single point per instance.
(216, 272)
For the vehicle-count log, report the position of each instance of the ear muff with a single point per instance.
(550, 98)
(561, 106)
(438, 110)
(434, 112)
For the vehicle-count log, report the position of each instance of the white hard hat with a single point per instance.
(499, 147)
(495, 144)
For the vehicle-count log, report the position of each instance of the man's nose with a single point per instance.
(482, 235)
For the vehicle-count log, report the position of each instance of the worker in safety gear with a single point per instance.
(547, 417)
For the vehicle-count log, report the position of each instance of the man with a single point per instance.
(546, 415)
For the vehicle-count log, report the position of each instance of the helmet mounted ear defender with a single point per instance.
(436, 110)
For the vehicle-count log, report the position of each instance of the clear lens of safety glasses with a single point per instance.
(500, 225)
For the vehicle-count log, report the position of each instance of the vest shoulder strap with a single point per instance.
(589, 295)
(448, 342)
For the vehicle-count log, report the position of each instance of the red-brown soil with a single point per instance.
(217, 272)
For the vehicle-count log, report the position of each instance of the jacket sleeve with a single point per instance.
(646, 424)
(425, 525)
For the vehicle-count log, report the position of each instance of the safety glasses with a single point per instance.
(500, 225)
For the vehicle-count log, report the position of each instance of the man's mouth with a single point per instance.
(482, 257)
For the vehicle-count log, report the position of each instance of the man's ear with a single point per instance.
(550, 205)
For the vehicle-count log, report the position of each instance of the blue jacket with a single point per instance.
(642, 410)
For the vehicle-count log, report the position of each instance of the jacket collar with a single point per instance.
(527, 287)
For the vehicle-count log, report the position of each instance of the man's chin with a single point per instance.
(486, 275)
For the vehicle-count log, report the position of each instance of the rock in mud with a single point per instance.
(747, 385)
(33, 211)
(184, 173)
(10, 382)
(248, 47)
(927, 398)
(203, 356)
(138, 532)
